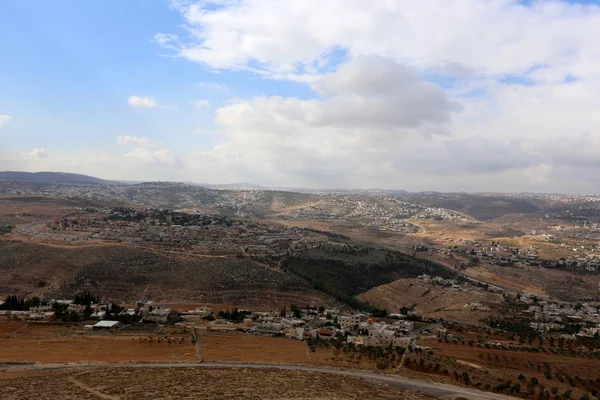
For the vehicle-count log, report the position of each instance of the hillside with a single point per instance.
(52, 177)
(126, 274)
(345, 271)
(432, 300)
(478, 206)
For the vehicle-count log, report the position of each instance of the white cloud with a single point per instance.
(369, 112)
(165, 38)
(4, 119)
(158, 157)
(201, 103)
(142, 142)
(213, 86)
(515, 108)
(142, 102)
(492, 37)
(38, 152)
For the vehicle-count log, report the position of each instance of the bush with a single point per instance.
(383, 364)
(209, 317)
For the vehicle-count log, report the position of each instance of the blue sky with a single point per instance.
(301, 93)
(70, 67)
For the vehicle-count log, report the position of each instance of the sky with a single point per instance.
(448, 95)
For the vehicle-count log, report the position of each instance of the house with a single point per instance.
(271, 325)
(49, 316)
(401, 341)
(98, 315)
(357, 340)
(350, 321)
(107, 325)
(292, 323)
(158, 315)
(381, 337)
(324, 333)
(295, 333)
(40, 309)
(100, 310)
(76, 308)
(442, 333)
(406, 325)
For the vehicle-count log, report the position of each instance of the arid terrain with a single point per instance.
(486, 292)
(434, 301)
(192, 383)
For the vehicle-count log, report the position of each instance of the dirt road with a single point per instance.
(430, 388)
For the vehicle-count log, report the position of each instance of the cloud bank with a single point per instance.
(477, 95)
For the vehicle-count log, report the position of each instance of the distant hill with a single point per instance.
(52, 177)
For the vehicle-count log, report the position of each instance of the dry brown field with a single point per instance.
(226, 346)
(39, 206)
(61, 344)
(7, 328)
(191, 383)
(493, 366)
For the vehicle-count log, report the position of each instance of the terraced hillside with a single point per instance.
(433, 300)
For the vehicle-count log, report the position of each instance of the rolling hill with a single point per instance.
(52, 177)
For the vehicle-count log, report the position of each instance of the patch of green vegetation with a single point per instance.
(346, 271)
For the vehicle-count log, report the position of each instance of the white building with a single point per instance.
(401, 341)
(381, 337)
(107, 325)
(99, 315)
(406, 325)
(292, 323)
(350, 321)
(158, 315)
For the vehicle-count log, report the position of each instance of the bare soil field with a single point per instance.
(190, 383)
(36, 207)
(225, 346)
(577, 373)
(61, 344)
(7, 328)
(432, 300)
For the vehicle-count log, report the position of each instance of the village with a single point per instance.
(195, 232)
(387, 213)
(469, 252)
(317, 323)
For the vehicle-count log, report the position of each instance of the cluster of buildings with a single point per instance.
(387, 213)
(584, 258)
(204, 233)
(145, 311)
(547, 316)
(357, 328)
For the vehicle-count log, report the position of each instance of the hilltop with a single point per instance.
(52, 177)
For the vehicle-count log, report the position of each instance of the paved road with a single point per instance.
(431, 388)
(429, 328)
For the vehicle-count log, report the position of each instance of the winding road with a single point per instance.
(417, 385)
